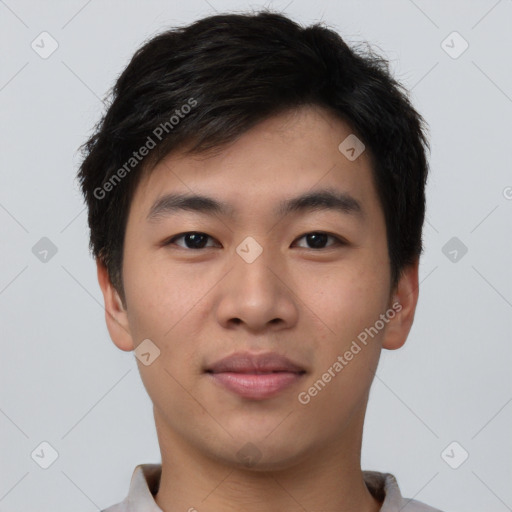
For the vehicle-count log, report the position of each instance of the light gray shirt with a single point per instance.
(146, 479)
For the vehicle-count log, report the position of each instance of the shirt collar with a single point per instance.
(146, 480)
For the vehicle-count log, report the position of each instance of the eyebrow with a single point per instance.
(323, 199)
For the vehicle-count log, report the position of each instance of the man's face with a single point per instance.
(254, 281)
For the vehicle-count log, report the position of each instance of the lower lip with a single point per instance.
(256, 386)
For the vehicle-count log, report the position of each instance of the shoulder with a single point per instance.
(384, 487)
(143, 485)
(118, 507)
(416, 506)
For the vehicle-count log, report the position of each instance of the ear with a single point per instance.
(115, 315)
(403, 302)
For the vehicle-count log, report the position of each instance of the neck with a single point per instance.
(329, 477)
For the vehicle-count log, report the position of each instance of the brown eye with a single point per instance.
(318, 240)
(192, 240)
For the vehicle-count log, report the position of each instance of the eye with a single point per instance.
(318, 239)
(193, 240)
(197, 240)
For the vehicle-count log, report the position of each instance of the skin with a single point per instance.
(199, 305)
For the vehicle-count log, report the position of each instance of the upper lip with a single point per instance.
(245, 362)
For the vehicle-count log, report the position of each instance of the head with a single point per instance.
(251, 112)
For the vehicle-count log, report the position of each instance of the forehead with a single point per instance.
(284, 156)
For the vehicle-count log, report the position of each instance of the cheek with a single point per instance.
(155, 297)
(168, 304)
(160, 308)
(347, 303)
(347, 300)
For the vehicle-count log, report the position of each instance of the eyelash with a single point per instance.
(338, 241)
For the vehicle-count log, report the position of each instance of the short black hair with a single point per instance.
(199, 87)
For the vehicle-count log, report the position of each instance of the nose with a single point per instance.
(258, 295)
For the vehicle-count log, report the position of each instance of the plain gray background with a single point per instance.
(64, 382)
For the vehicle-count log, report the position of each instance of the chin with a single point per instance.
(257, 454)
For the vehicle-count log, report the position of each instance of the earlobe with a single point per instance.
(404, 301)
(116, 316)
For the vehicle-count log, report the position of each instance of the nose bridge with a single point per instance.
(250, 250)
(252, 260)
(253, 292)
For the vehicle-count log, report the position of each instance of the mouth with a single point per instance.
(255, 376)
(256, 386)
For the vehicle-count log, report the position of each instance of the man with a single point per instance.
(230, 150)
